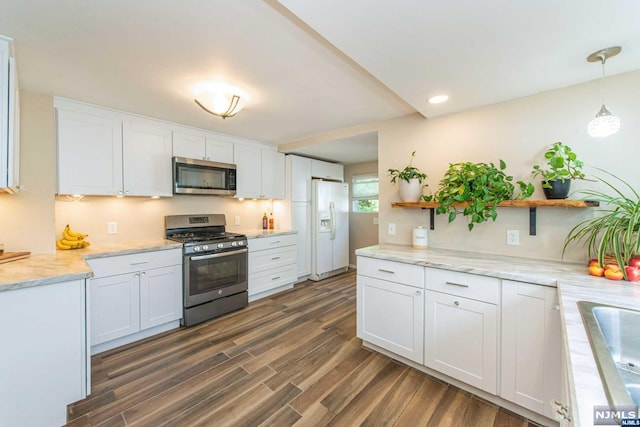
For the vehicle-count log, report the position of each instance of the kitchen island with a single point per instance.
(573, 284)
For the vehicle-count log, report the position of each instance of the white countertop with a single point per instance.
(254, 233)
(573, 283)
(66, 265)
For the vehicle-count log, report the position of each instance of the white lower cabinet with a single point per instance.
(531, 346)
(401, 328)
(133, 293)
(498, 336)
(272, 264)
(43, 357)
(390, 306)
(461, 327)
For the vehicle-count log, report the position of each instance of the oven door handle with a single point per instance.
(201, 257)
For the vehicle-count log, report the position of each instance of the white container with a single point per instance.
(420, 240)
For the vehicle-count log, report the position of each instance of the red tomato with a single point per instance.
(634, 262)
(633, 273)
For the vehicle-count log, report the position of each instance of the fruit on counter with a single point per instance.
(613, 273)
(596, 270)
(611, 267)
(632, 273)
(72, 239)
(592, 262)
(634, 262)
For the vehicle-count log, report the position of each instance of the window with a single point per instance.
(364, 193)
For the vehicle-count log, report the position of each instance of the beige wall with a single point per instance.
(517, 132)
(362, 230)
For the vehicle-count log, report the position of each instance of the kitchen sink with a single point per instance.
(614, 335)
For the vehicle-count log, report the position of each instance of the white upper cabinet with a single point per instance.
(146, 159)
(196, 146)
(299, 178)
(272, 174)
(9, 120)
(106, 153)
(260, 173)
(327, 170)
(89, 154)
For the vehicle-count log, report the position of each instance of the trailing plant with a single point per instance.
(562, 164)
(408, 173)
(479, 187)
(617, 229)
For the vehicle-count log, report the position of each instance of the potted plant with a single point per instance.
(562, 166)
(410, 181)
(477, 188)
(615, 231)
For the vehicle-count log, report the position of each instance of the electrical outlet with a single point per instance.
(375, 220)
(112, 228)
(236, 221)
(513, 237)
(392, 228)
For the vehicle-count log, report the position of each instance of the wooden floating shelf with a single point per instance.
(531, 204)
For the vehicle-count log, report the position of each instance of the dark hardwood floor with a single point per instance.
(289, 359)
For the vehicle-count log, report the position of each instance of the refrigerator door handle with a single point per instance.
(332, 216)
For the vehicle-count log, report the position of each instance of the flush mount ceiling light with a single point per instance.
(438, 99)
(219, 99)
(604, 124)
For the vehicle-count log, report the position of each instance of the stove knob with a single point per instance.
(196, 248)
(234, 243)
(220, 245)
(241, 243)
(205, 247)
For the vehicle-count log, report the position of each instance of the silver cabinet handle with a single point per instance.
(143, 273)
(418, 293)
(276, 242)
(457, 284)
(275, 258)
(275, 278)
(456, 303)
(139, 263)
(136, 275)
(386, 271)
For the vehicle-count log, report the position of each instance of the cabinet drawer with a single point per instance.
(262, 243)
(271, 258)
(121, 264)
(271, 279)
(480, 288)
(407, 274)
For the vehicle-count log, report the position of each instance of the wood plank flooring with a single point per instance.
(292, 359)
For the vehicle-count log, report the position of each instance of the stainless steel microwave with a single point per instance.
(193, 176)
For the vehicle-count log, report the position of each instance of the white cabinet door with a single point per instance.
(89, 154)
(249, 171)
(391, 316)
(147, 156)
(335, 171)
(160, 296)
(43, 360)
(531, 343)
(219, 151)
(301, 221)
(189, 146)
(115, 307)
(299, 178)
(327, 170)
(272, 174)
(461, 339)
(4, 110)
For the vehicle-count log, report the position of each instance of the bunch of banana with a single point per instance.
(72, 239)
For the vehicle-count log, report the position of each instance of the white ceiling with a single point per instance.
(317, 67)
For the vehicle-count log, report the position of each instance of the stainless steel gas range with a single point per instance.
(214, 266)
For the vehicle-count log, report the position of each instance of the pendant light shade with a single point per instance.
(604, 123)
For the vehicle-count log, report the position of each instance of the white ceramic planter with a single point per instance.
(410, 191)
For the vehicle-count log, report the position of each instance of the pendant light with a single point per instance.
(604, 123)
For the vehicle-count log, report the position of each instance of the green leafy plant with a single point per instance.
(616, 230)
(408, 173)
(562, 164)
(475, 189)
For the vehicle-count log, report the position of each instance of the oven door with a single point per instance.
(212, 276)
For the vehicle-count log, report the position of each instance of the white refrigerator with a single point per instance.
(329, 228)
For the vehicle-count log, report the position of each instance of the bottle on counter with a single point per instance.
(271, 222)
(265, 223)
